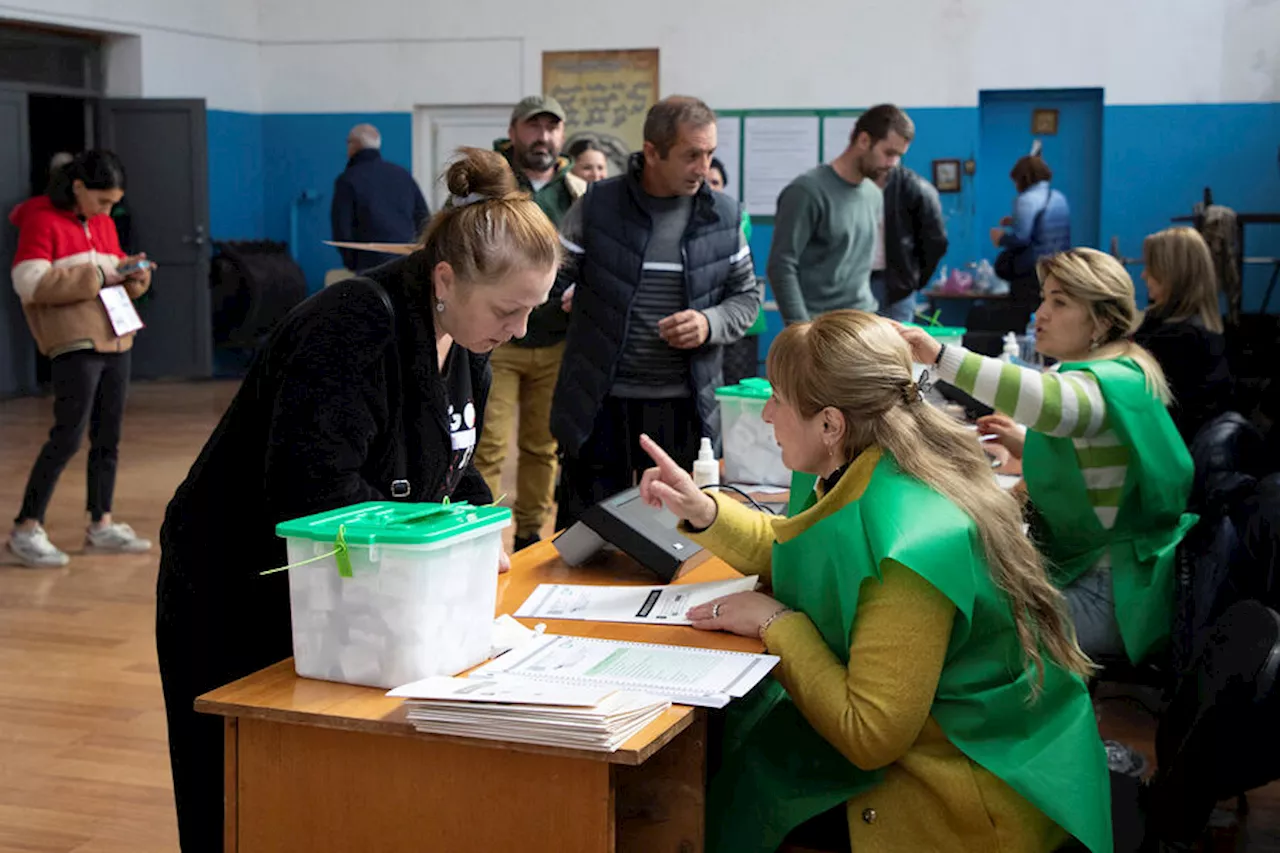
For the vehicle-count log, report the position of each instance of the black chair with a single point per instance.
(1217, 739)
(1227, 454)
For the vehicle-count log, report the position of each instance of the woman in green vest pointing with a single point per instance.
(929, 689)
(1104, 464)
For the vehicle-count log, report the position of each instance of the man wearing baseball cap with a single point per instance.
(525, 370)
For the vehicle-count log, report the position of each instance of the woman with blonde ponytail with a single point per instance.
(929, 694)
(1104, 464)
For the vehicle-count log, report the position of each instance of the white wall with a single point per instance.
(390, 55)
(168, 48)
(764, 53)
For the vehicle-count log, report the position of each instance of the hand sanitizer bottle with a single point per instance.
(706, 469)
(1010, 352)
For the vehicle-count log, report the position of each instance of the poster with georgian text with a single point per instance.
(606, 95)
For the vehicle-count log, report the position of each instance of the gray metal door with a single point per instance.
(17, 350)
(163, 146)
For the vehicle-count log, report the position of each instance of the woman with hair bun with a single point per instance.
(372, 389)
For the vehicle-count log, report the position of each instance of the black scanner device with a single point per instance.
(626, 522)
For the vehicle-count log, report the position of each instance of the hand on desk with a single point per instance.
(504, 561)
(742, 613)
(671, 486)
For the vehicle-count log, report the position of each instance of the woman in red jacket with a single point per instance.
(65, 273)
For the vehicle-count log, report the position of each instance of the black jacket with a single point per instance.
(375, 202)
(314, 427)
(616, 228)
(915, 236)
(1194, 361)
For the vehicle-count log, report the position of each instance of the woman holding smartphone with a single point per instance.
(68, 255)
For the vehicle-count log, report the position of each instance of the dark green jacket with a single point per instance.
(548, 323)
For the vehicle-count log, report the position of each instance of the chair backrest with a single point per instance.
(1225, 448)
(1217, 738)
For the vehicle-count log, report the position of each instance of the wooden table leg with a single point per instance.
(661, 804)
(231, 781)
(303, 788)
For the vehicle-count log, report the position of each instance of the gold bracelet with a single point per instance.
(764, 626)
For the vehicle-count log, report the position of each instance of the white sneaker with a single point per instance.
(116, 537)
(33, 548)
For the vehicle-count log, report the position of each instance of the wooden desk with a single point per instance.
(318, 766)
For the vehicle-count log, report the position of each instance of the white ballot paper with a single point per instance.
(645, 605)
(510, 691)
(691, 676)
(120, 311)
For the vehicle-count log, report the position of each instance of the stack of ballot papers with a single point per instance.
(578, 717)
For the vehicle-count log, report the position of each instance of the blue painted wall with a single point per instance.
(236, 175)
(1155, 162)
(1074, 153)
(307, 152)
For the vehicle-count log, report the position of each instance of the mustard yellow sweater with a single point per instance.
(876, 710)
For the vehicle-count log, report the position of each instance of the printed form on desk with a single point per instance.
(643, 605)
(690, 676)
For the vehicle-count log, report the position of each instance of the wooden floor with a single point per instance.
(83, 758)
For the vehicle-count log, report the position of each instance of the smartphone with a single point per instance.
(129, 269)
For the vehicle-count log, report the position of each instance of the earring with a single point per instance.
(439, 306)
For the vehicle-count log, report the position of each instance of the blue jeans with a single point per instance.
(904, 310)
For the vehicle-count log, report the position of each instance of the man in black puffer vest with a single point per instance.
(658, 278)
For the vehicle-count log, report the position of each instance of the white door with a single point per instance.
(438, 132)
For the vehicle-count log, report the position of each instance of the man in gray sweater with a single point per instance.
(824, 235)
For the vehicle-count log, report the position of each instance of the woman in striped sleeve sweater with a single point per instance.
(1104, 464)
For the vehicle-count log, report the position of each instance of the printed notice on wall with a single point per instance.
(606, 95)
(775, 150)
(836, 131)
(728, 151)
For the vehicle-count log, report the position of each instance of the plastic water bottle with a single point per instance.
(706, 468)
(1029, 342)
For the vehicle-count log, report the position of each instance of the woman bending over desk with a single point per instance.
(373, 389)
(930, 686)
(1103, 462)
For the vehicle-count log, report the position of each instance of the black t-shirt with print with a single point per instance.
(462, 417)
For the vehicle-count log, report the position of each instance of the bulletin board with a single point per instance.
(764, 150)
(606, 95)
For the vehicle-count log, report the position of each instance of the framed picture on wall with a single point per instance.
(1044, 122)
(946, 175)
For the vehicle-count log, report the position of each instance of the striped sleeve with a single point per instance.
(1053, 403)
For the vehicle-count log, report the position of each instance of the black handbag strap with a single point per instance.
(399, 488)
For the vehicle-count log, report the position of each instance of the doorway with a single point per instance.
(440, 131)
(59, 124)
(1073, 151)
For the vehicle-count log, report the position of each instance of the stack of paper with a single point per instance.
(599, 719)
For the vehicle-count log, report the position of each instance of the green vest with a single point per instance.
(778, 772)
(1152, 518)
